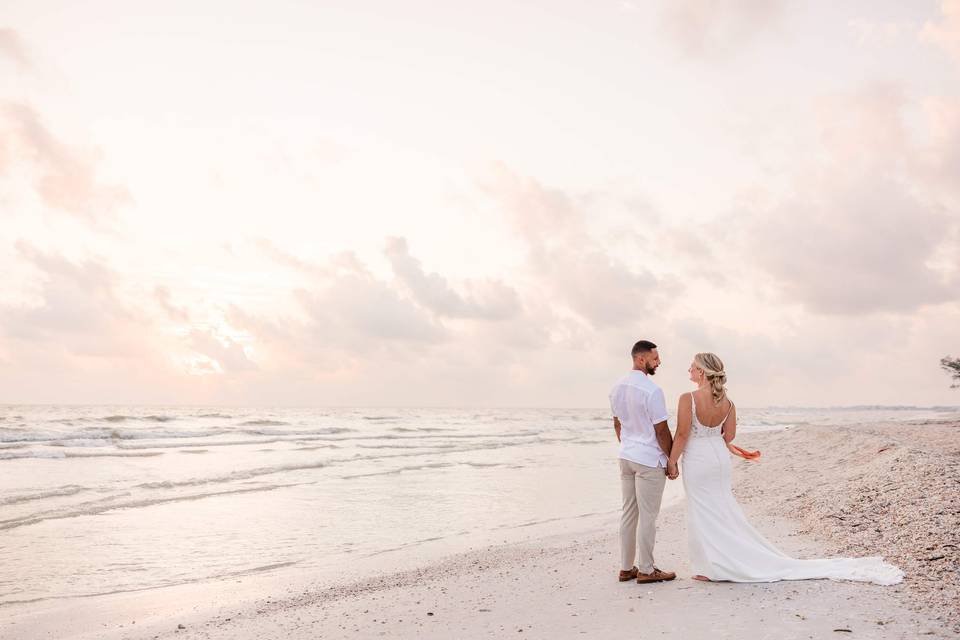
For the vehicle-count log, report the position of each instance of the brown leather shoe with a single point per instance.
(626, 576)
(655, 576)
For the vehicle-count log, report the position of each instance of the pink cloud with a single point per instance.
(346, 315)
(229, 354)
(704, 29)
(65, 178)
(490, 300)
(163, 297)
(941, 158)
(287, 259)
(945, 33)
(854, 245)
(78, 309)
(602, 289)
(861, 230)
(12, 47)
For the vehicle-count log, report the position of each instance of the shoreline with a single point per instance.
(850, 490)
(559, 586)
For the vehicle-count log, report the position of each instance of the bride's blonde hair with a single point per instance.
(712, 368)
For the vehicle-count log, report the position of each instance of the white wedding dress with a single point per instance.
(723, 545)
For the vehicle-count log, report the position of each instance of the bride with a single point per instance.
(723, 544)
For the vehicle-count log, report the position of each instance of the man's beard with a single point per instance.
(651, 370)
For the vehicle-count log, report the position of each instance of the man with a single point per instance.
(640, 421)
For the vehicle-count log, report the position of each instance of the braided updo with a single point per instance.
(712, 367)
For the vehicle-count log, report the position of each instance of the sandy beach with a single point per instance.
(889, 489)
(317, 318)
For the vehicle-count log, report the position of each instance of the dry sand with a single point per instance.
(891, 489)
(854, 490)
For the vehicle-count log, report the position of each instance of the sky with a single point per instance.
(428, 203)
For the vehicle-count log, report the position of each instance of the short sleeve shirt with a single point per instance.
(639, 404)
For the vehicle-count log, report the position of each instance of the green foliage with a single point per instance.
(952, 366)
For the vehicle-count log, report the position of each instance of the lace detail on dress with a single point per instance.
(699, 430)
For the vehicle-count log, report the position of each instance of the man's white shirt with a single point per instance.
(639, 404)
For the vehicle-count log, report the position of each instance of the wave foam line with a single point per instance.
(236, 475)
(66, 490)
(132, 504)
(420, 467)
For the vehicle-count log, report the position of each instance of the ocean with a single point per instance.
(110, 499)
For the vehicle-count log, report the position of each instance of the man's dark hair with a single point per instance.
(642, 347)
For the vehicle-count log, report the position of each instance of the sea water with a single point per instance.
(100, 500)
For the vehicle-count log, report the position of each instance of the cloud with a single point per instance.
(12, 47)
(940, 160)
(703, 29)
(567, 262)
(818, 360)
(347, 309)
(64, 178)
(861, 231)
(355, 328)
(162, 295)
(363, 313)
(490, 300)
(345, 316)
(871, 32)
(82, 314)
(864, 128)
(289, 260)
(946, 33)
(416, 337)
(228, 356)
(856, 246)
(77, 310)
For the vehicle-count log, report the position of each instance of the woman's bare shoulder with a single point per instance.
(730, 408)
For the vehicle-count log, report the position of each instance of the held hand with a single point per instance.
(673, 471)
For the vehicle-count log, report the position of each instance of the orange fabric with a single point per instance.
(743, 453)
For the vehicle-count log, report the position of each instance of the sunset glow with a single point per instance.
(477, 204)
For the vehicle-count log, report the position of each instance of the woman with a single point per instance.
(722, 544)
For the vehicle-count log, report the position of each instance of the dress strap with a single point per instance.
(728, 411)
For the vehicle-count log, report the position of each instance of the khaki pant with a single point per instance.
(642, 492)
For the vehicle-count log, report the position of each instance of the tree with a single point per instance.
(952, 366)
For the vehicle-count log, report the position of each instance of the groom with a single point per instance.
(640, 421)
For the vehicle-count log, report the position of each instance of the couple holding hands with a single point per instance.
(722, 544)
